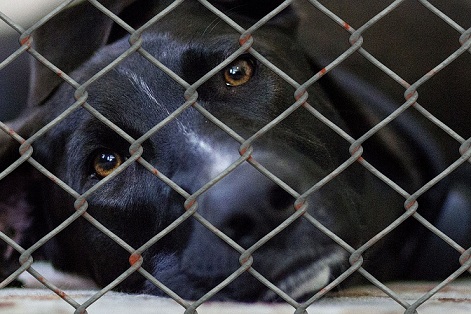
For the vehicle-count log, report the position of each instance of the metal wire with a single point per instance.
(300, 99)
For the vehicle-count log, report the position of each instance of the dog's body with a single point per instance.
(191, 150)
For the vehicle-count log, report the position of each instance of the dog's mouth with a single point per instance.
(300, 279)
(308, 278)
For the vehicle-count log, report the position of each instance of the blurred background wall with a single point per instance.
(14, 77)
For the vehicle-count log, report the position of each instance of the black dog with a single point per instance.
(191, 150)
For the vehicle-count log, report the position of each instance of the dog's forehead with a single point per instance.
(172, 47)
(173, 65)
(172, 52)
(136, 89)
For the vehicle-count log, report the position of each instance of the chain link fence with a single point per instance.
(300, 100)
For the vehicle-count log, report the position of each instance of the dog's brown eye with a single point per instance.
(106, 162)
(239, 72)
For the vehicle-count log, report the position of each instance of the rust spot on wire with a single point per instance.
(26, 41)
(410, 204)
(243, 150)
(299, 204)
(80, 202)
(354, 150)
(134, 258)
(347, 26)
(25, 148)
(60, 293)
(299, 94)
(244, 39)
(411, 94)
(189, 204)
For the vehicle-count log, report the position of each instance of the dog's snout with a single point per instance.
(246, 205)
(280, 200)
(241, 228)
(267, 208)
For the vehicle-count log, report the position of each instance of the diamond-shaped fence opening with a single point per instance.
(263, 157)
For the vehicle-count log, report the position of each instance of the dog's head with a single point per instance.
(137, 191)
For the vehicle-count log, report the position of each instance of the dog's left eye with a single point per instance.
(239, 72)
(105, 163)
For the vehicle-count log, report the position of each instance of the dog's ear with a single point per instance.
(254, 10)
(403, 149)
(67, 40)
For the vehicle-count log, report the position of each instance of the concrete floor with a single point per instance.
(34, 299)
(455, 298)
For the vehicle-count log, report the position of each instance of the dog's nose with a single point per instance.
(246, 205)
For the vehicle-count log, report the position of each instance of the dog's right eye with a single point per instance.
(105, 163)
(239, 72)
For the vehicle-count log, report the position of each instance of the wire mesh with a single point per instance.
(300, 99)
